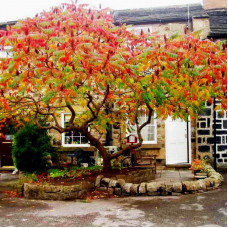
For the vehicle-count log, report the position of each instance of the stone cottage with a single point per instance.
(178, 142)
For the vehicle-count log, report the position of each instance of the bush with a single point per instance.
(73, 172)
(32, 149)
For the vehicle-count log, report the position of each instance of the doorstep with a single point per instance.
(173, 175)
(7, 168)
(178, 166)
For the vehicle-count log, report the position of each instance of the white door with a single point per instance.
(177, 145)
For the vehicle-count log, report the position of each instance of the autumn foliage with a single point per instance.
(75, 57)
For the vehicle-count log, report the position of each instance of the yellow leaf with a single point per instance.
(217, 107)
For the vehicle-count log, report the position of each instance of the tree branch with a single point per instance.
(139, 128)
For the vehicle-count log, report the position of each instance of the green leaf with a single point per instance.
(67, 69)
(121, 85)
(174, 36)
(186, 61)
(172, 55)
(11, 66)
(48, 97)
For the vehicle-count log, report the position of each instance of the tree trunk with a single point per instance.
(105, 155)
(107, 165)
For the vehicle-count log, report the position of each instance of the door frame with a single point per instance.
(188, 144)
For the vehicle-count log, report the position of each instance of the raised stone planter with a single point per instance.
(213, 180)
(53, 192)
(138, 176)
(122, 187)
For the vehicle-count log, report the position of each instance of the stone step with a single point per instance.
(7, 168)
(161, 167)
(181, 165)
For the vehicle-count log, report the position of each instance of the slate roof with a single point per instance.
(159, 15)
(217, 17)
(4, 24)
(218, 23)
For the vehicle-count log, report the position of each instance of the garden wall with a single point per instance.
(154, 188)
(55, 192)
(122, 187)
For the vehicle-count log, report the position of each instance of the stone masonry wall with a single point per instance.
(53, 192)
(205, 135)
(159, 188)
(47, 191)
(121, 187)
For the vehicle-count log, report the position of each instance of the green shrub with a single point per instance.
(73, 171)
(54, 173)
(31, 146)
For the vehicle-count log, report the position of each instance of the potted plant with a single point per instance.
(198, 167)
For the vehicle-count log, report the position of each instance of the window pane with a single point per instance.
(67, 118)
(73, 137)
(148, 132)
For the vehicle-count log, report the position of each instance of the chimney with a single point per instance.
(213, 4)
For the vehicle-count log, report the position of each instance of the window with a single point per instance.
(72, 139)
(149, 132)
(6, 52)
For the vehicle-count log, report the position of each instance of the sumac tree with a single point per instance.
(75, 57)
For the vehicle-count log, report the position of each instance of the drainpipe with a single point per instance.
(188, 20)
(214, 129)
(188, 141)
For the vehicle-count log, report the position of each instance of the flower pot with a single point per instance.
(199, 176)
(196, 171)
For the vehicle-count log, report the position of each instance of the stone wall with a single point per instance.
(58, 192)
(135, 177)
(53, 192)
(120, 186)
(203, 25)
(170, 29)
(161, 188)
(205, 135)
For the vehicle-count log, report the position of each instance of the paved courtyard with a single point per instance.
(174, 175)
(202, 209)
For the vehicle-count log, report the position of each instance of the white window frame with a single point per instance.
(6, 52)
(155, 130)
(63, 134)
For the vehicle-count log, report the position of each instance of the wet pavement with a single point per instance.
(193, 210)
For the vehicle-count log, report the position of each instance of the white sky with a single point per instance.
(18, 9)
